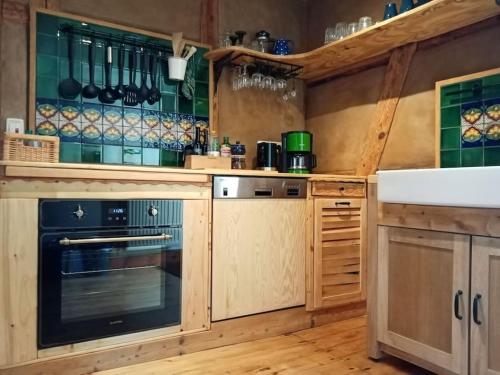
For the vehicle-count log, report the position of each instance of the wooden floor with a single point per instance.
(334, 349)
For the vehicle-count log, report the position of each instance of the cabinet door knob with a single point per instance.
(458, 294)
(475, 306)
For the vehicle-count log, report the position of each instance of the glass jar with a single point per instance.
(238, 152)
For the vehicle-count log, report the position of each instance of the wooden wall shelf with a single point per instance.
(435, 18)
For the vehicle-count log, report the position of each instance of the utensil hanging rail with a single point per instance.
(125, 40)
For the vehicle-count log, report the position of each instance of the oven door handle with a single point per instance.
(160, 237)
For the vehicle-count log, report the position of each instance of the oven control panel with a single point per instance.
(55, 213)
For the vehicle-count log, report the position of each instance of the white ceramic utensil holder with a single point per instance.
(176, 68)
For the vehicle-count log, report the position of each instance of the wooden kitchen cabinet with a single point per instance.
(338, 251)
(423, 290)
(485, 296)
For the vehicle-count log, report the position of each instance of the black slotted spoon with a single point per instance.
(70, 87)
(130, 98)
(154, 92)
(143, 92)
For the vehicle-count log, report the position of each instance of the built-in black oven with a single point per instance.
(107, 267)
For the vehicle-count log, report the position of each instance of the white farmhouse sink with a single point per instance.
(460, 187)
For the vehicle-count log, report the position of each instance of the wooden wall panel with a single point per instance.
(18, 280)
(339, 113)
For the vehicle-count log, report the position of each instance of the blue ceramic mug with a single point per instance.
(282, 47)
(390, 11)
(406, 5)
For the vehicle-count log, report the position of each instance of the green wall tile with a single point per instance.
(47, 24)
(450, 159)
(46, 44)
(151, 156)
(46, 65)
(491, 86)
(46, 88)
(492, 156)
(201, 107)
(472, 157)
(202, 73)
(450, 138)
(447, 96)
(91, 153)
(201, 90)
(168, 103)
(185, 105)
(70, 152)
(112, 154)
(450, 117)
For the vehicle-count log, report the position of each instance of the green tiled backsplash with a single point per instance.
(176, 116)
(470, 123)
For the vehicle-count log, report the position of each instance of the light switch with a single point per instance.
(14, 125)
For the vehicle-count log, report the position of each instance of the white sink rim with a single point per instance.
(441, 187)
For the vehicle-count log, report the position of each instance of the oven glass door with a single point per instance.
(99, 284)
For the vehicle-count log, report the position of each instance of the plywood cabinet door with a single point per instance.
(339, 257)
(423, 290)
(485, 306)
(258, 257)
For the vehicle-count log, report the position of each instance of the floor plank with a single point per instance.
(336, 348)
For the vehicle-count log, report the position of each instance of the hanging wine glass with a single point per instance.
(235, 78)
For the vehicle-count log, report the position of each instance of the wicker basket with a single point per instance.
(28, 147)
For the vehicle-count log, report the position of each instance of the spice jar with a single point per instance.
(238, 152)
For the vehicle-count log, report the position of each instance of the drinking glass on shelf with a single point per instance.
(244, 80)
(329, 35)
(225, 40)
(268, 82)
(352, 28)
(364, 22)
(236, 78)
(281, 84)
(258, 80)
(340, 30)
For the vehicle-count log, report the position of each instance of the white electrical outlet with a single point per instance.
(14, 125)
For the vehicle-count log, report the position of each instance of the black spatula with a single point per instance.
(70, 87)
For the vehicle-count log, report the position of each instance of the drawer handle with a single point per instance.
(475, 309)
(342, 203)
(456, 305)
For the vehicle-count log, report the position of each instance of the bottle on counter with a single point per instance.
(238, 152)
(197, 146)
(205, 142)
(225, 148)
(214, 147)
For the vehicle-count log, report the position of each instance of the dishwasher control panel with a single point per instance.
(227, 187)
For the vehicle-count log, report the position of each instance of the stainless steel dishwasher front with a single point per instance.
(259, 245)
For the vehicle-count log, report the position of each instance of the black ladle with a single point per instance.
(91, 90)
(107, 95)
(70, 87)
(130, 98)
(120, 88)
(143, 92)
(154, 93)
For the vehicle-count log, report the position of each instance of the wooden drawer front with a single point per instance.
(338, 252)
(339, 189)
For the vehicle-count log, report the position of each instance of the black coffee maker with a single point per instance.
(268, 156)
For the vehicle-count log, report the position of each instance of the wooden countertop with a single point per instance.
(140, 173)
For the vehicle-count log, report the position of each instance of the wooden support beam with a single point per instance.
(209, 22)
(380, 127)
